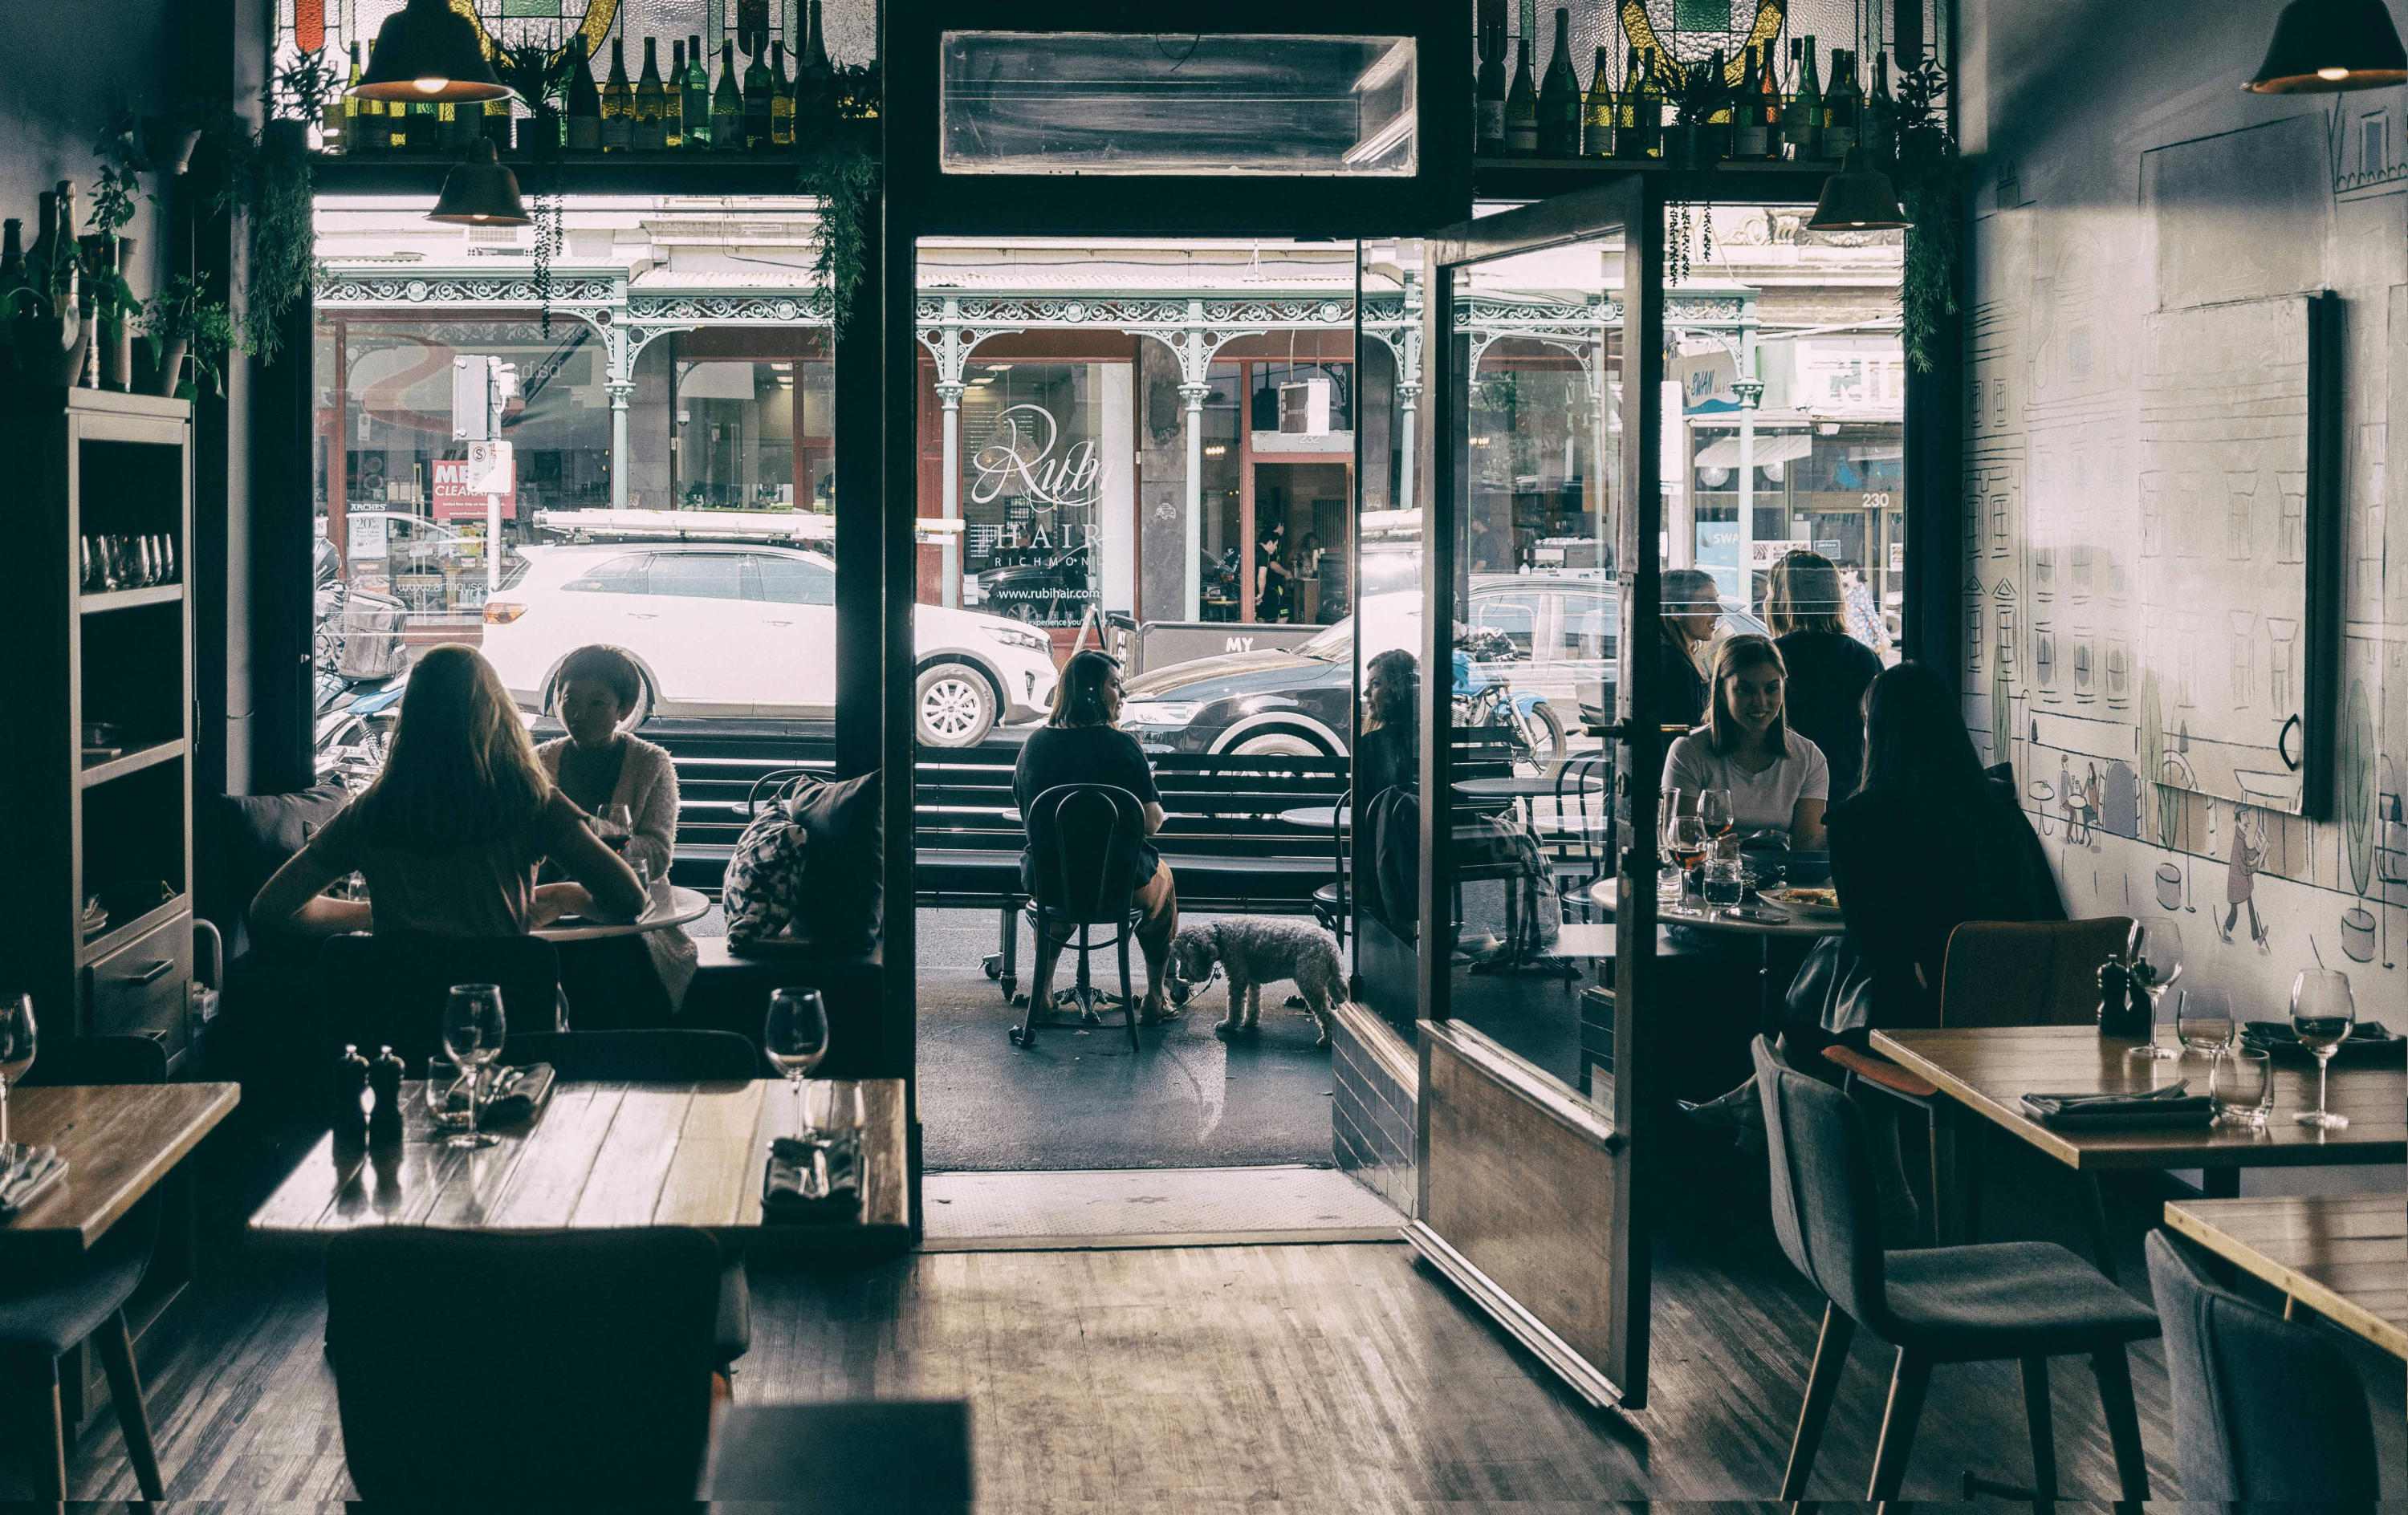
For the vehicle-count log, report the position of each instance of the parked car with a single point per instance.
(1562, 630)
(722, 630)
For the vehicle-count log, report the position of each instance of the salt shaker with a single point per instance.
(350, 1111)
(384, 1077)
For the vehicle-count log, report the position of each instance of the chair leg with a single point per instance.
(1129, 999)
(50, 1446)
(2094, 1216)
(1969, 1156)
(1907, 1387)
(2114, 1377)
(116, 1345)
(1010, 979)
(1822, 1387)
(2044, 1432)
(1944, 1194)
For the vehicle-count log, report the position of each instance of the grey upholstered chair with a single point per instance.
(2264, 1410)
(2025, 1302)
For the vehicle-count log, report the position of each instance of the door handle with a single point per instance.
(154, 973)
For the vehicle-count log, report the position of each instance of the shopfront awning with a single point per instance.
(1776, 447)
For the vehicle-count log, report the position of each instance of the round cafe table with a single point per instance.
(1768, 924)
(674, 907)
(1320, 817)
(1519, 786)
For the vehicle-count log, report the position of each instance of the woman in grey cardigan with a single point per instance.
(600, 765)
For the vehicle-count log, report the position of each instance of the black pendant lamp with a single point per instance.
(428, 51)
(2322, 46)
(480, 192)
(1858, 198)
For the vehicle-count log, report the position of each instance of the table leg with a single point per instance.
(1946, 1206)
(2093, 1216)
(1770, 1006)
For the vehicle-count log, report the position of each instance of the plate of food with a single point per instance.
(1807, 903)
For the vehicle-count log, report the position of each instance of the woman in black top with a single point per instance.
(1081, 744)
(1692, 613)
(1829, 669)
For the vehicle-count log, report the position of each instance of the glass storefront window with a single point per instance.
(1044, 464)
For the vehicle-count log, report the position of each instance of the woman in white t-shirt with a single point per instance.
(1777, 779)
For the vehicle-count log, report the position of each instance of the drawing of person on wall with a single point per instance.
(2240, 875)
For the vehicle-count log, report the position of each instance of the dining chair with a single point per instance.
(1078, 881)
(2265, 1410)
(388, 989)
(1996, 973)
(480, 1368)
(2022, 1302)
(1329, 903)
(46, 1310)
(849, 1457)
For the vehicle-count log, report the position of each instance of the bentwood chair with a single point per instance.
(2265, 1411)
(2021, 1302)
(1996, 973)
(44, 1312)
(476, 1368)
(1077, 880)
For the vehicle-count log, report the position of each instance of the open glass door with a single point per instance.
(1535, 636)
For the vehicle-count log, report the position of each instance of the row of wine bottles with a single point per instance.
(1761, 117)
(752, 109)
(41, 280)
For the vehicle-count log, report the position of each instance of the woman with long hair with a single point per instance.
(449, 834)
(1777, 779)
(1692, 609)
(1082, 743)
(1829, 669)
(1387, 756)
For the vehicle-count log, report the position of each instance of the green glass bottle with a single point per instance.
(782, 99)
(759, 96)
(651, 104)
(1597, 111)
(618, 103)
(727, 104)
(697, 96)
(1559, 97)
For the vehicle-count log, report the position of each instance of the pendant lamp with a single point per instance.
(1858, 198)
(2322, 46)
(428, 51)
(480, 192)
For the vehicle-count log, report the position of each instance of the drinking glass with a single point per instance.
(2241, 1086)
(2322, 1012)
(111, 577)
(2203, 1017)
(1726, 882)
(795, 1038)
(472, 1034)
(16, 1054)
(1684, 838)
(91, 563)
(1714, 810)
(2155, 957)
(167, 574)
(443, 1080)
(618, 828)
(1668, 879)
(834, 1115)
(146, 563)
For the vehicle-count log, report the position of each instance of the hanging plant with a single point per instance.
(539, 73)
(840, 173)
(268, 176)
(1912, 134)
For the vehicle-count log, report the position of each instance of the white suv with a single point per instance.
(728, 629)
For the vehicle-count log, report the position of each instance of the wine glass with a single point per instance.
(2322, 1013)
(472, 1034)
(2203, 1018)
(2155, 958)
(618, 828)
(1714, 810)
(795, 1038)
(1684, 838)
(16, 1055)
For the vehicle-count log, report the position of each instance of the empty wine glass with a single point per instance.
(2203, 1017)
(472, 1034)
(16, 1054)
(2322, 1012)
(2155, 957)
(795, 1038)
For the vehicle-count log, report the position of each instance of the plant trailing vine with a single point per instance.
(267, 176)
(539, 73)
(1928, 173)
(840, 173)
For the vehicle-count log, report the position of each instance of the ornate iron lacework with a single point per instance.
(809, 308)
(442, 288)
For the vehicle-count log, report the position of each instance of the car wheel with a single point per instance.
(1279, 744)
(955, 705)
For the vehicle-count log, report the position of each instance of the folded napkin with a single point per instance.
(516, 1094)
(2172, 1106)
(26, 1174)
(783, 1197)
(2366, 1039)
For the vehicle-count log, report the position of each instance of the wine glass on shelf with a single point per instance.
(2155, 958)
(2203, 1018)
(16, 1055)
(795, 1037)
(473, 1028)
(2322, 1012)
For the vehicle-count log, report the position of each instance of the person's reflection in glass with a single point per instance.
(1387, 762)
(1692, 612)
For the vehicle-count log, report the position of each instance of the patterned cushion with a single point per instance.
(763, 891)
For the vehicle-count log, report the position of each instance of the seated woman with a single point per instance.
(450, 832)
(1692, 613)
(1777, 779)
(619, 981)
(1083, 744)
(1829, 669)
(1387, 772)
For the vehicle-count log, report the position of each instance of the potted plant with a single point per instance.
(107, 253)
(1695, 139)
(1910, 132)
(540, 76)
(182, 320)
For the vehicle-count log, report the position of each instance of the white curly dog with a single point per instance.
(1254, 950)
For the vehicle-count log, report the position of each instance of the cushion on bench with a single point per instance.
(1882, 1071)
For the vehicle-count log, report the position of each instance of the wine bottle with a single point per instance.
(24, 283)
(584, 100)
(758, 94)
(1650, 113)
(1597, 111)
(1626, 109)
(369, 132)
(1842, 106)
(1880, 129)
(814, 75)
(1804, 127)
(1713, 134)
(333, 116)
(1488, 85)
(1522, 106)
(782, 99)
(420, 129)
(727, 104)
(651, 104)
(1767, 103)
(673, 98)
(618, 103)
(1559, 97)
(697, 96)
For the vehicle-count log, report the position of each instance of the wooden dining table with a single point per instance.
(596, 1156)
(121, 1141)
(2343, 1256)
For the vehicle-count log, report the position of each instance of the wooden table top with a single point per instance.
(2344, 1256)
(119, 1140)
(1989, 1070)
(598, 1155)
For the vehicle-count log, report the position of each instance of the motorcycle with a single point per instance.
(362, 668)
(1483, 697)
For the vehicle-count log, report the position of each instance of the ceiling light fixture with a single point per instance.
(429, 51)
(480, 192)
(1858, 198)
(2322, 46)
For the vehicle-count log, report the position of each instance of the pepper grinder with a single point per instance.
(384, 1077)
(350, 1110)
(2116, 990)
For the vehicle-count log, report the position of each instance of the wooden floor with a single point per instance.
(1325, 1376)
